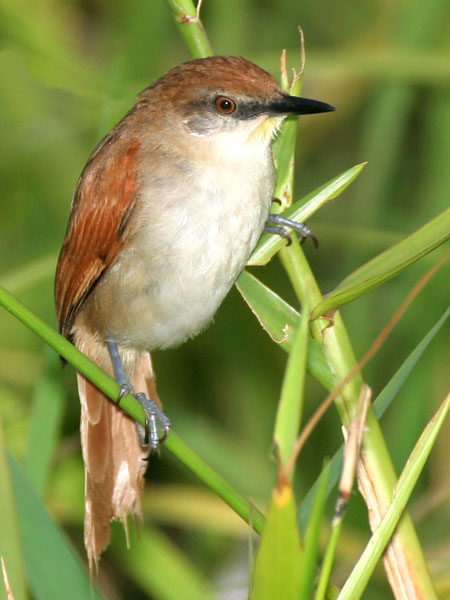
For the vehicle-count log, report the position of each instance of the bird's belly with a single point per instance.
(169, 283)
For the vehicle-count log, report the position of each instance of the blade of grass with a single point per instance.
(361, 573)
(280, 557)
(278, 319)
(284, 145)
(65, 349)
(290, 406)
(46, 549)
(312, 539)
(387, 264)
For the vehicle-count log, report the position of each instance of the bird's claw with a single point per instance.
(125, 389)
(277, 225)
(155, 421)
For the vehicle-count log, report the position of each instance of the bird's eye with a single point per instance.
(225, 105)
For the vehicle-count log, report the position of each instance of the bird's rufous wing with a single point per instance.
(103, 203)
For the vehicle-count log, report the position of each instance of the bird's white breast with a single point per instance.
(194, 230)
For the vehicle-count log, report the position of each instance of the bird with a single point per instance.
(164, 217)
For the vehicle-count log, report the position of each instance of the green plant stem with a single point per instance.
(132, 407)
(191, 28)
(290, 406)
(374, 454)
(328, 560)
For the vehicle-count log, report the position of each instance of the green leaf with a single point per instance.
(387, 264)
(290, 407)
(284, 145)
(300, 211)
(359, 577)
(279, 320)
(47, 552)
(283, 150)
(312, 538)
(323, 584)
(279, 560)
(10, 542)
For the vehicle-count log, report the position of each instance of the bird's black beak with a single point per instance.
(293, 105)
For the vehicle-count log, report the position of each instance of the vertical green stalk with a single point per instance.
(290, 407)
(187, 18)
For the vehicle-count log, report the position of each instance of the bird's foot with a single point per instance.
(157, 425)
(155, 422)
(276, 224)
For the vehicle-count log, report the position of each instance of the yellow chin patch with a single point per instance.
(267, 129)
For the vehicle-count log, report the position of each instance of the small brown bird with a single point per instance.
(165, 215)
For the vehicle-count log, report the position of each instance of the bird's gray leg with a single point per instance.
(276, 225)
(148, 435)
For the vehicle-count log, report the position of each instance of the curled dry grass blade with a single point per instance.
(352, 449)
(383, 524)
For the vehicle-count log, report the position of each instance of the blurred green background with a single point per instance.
(69, 71)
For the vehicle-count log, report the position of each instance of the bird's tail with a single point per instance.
(114, 460)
